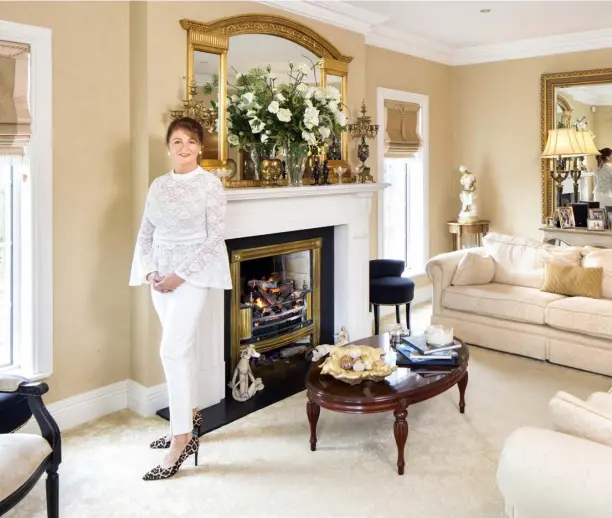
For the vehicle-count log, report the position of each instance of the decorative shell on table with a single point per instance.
(356, 363)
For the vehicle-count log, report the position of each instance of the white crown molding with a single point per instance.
(534, 47)
(372, 26)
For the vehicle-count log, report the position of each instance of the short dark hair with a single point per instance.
(605, 153)
(188, 124)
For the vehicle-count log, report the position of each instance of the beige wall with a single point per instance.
(91, 189)
(388, 69)
(602, 126)
(496, 126)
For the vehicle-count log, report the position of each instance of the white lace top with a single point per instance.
(182, 231)
(603, 179)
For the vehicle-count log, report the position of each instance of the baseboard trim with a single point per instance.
(82, 408)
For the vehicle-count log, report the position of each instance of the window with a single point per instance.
(403, 159)
(403, 212)
(25, 201)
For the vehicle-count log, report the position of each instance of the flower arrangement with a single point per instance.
(291, 116)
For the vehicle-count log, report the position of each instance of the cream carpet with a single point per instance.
(261, 466)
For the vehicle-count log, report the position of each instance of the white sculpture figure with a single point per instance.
(468, 195)
(247, 384)
(319, 351)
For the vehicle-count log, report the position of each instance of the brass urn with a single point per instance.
(270, 172)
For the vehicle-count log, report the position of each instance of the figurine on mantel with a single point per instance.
(469, 213)
(326, 173)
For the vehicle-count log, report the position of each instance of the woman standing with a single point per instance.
(181, 253)
(603, 178)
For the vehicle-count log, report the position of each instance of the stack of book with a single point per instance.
(414, 351)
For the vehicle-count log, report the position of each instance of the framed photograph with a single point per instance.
(551, 222)
(566, 217)
(598, 214)
(596, 224)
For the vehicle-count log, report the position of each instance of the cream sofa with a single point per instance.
(561, 473)
(491, 296)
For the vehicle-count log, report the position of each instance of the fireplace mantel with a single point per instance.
(261, 211)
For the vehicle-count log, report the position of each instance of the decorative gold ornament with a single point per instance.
(270, 172)
(197, 110)
(378, 368)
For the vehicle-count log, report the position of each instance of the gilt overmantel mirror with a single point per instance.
(220, 50)
(582, 100)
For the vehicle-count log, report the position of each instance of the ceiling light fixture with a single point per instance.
(485, 11)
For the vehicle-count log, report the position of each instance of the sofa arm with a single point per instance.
(543, 473)
(440, 270)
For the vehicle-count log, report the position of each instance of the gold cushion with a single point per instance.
(573, 281)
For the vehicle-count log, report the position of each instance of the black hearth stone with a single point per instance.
(276, 388)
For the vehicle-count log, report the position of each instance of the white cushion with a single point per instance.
(475, 267)
(599, 258)
(582, 419)
(584, 315)
(519, 261)
(20, 455)
(500, 300)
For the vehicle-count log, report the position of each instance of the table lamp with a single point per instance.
(562, 148)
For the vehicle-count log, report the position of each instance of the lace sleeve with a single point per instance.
(205, 253)
(144, 262)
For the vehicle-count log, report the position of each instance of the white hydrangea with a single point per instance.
(273, 107)
(302, 88)
(341, 118)
(333, 106)
(319, 94)
(233, 140)
(284, 115)
(311, 117)
(333, 93)
(324, 131)
(309, 138)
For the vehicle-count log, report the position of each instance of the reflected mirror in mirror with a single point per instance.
(334, 152)
(247, 51)
(205, 75)
(588, 108)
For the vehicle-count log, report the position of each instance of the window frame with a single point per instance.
(35, 285)
(422, 100)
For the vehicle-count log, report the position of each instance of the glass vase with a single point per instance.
(296, 163)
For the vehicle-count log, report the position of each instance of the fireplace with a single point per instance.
(283, 292)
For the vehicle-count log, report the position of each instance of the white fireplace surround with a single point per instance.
(261, 211)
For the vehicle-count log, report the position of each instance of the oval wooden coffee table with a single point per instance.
(395, 393)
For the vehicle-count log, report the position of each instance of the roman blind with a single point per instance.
(402, 137)
(15, 117)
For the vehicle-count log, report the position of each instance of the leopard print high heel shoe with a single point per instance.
(164, 442)
(159, 473)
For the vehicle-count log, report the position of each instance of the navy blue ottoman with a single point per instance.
(389, 288)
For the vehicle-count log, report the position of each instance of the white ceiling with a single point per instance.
(592, 95)
(457, 33)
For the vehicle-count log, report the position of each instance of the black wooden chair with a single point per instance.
(24, 458)
(389, 288)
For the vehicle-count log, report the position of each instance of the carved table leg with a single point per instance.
(313, 410)
(462, 386)
(400, 430)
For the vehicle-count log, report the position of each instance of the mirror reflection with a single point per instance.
(249, 51)
(205, 72)
(334, 152)
(588, 108)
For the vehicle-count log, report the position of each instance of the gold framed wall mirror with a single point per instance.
(582, 100)
(217, 51)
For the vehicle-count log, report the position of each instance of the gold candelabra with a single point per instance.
(363, 130)
(196, 109)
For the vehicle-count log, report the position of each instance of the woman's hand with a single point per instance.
(169, 283)
(154, 277)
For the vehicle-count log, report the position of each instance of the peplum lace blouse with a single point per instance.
(182, 231)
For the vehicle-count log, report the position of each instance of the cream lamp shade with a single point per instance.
(562, 142)
(585, 140)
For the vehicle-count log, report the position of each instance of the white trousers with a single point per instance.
(179, 312)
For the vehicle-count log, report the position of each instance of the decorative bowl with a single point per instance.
(379, 371)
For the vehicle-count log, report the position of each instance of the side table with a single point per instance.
(459, 230)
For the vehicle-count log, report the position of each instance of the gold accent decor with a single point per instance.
(338, 68)
(380, 369)
(548, 105)
(314, 302)
(270, 172)
(309, 305)
(246, 323)
(215, 38)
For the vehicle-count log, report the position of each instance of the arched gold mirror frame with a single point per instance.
(214, 38)
(548, 84)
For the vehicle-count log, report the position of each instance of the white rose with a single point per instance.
(273, 107)
(319, 95)
(333, 106)
(311, 117)
(302, 88)
(304, 68)
(325, 132)
(341, 118)
(233, 140)
(264, 138)
(309, 138)
(235, 98)
(257, 126)
(333, 93)
(248, 98)
(280, 97)
(284, 115)
(310, 92)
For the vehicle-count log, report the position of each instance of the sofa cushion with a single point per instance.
(598, 258)
(520, 261)
(574, 281)
(582, 419)
(515, 303)
(20, 455)
(475, 267)
(584, 315)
